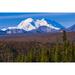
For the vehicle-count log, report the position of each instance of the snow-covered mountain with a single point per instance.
(34, 25)
(31, 24)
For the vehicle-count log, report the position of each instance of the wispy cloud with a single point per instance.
(29, 15)
(12, 17)
(19, 16)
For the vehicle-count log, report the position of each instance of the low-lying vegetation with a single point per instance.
(33, 51)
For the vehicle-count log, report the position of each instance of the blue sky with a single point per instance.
(13, 19)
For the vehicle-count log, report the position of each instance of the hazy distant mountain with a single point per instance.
(71, 28)
(2, 32)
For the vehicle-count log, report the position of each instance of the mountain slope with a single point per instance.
(55, 24)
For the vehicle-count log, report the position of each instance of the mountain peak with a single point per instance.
(41, 22)
(28, 20)
(26, 25)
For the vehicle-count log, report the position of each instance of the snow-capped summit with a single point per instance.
(26, 25)
(43, 22)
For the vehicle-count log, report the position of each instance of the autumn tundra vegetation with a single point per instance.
(33, 51)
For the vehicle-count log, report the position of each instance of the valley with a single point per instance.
(42, 37)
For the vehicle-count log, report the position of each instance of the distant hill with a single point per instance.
(71, 28)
